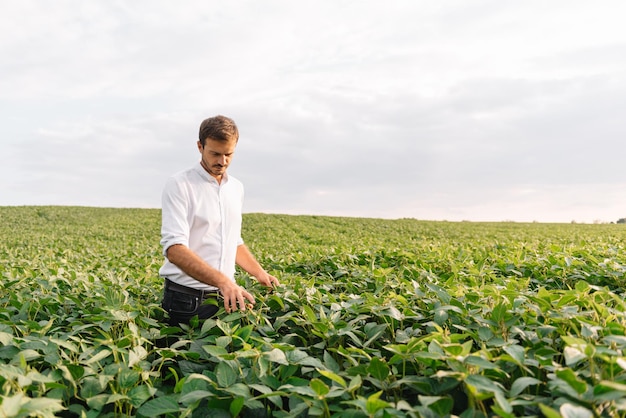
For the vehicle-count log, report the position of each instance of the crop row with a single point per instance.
(373, 318)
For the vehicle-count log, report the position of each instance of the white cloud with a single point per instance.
(445, 110)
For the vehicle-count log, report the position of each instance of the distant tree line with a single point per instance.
(622, 221)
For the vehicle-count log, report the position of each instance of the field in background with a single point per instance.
(376, 318)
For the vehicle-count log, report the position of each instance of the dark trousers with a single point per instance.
(182, 306)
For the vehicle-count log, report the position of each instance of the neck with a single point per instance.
(216, 177)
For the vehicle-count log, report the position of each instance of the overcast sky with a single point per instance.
(440, 110)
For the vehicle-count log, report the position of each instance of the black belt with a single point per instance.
(202, 294)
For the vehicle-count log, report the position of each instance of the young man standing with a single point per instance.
(201, 231)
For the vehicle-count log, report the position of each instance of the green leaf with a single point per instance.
(239, 389)
(303, 359)
(607, 386)
(355, 384)
(244, 332)
(140, 394)
(117, 397)
(194, 396)
(76, 371)
(502, 402)
(207, 326)
(215, 350)
(127, 378)
(455, 349)
(267, 392)
(481, 363)
(378, 369)
(333, 376)
(25, 356)
(581, 286)
(101, 355)
(482, 384)
(498, 313)
(10, 406)
(232, 317)
(441, 316)
(264, 365)
(225, 374)
(319, 387)
(516, 352)
(40, 407)
(223, 341)
(264, 389)
(331, 363)
(572, 380)
(485, 334)
(573, 355)
(160, 406)
(98, 402)
(310, 314)
(276, 355)
(136, 354)
(574, 411)
(440, 292)
(607, 391)
(549, 412)
(394, 313)
(520, 384)
(6, 338)
(275, 303)
(374, 403)
(236, 406)
(440, 405)
(90, 387)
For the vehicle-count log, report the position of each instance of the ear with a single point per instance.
(200, 147)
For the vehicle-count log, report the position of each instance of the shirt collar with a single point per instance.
(205, 175)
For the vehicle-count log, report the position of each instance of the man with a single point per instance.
(201, 231)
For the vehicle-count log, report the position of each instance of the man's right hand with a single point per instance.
(235, 295)
(194, 266)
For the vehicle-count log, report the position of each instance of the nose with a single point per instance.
(222, 160)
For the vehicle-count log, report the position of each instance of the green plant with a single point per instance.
(374, 318)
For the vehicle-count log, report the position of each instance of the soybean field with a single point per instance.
(373, 318)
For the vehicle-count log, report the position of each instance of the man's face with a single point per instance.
(216, 156)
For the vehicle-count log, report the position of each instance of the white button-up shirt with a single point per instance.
(205, 216)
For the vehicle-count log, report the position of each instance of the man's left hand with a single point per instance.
(267, 280)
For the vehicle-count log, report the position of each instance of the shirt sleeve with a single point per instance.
(174, 215)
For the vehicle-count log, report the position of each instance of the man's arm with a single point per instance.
(194, 266)
(246, 261)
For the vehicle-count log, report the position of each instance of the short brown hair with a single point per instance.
(219, 128)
